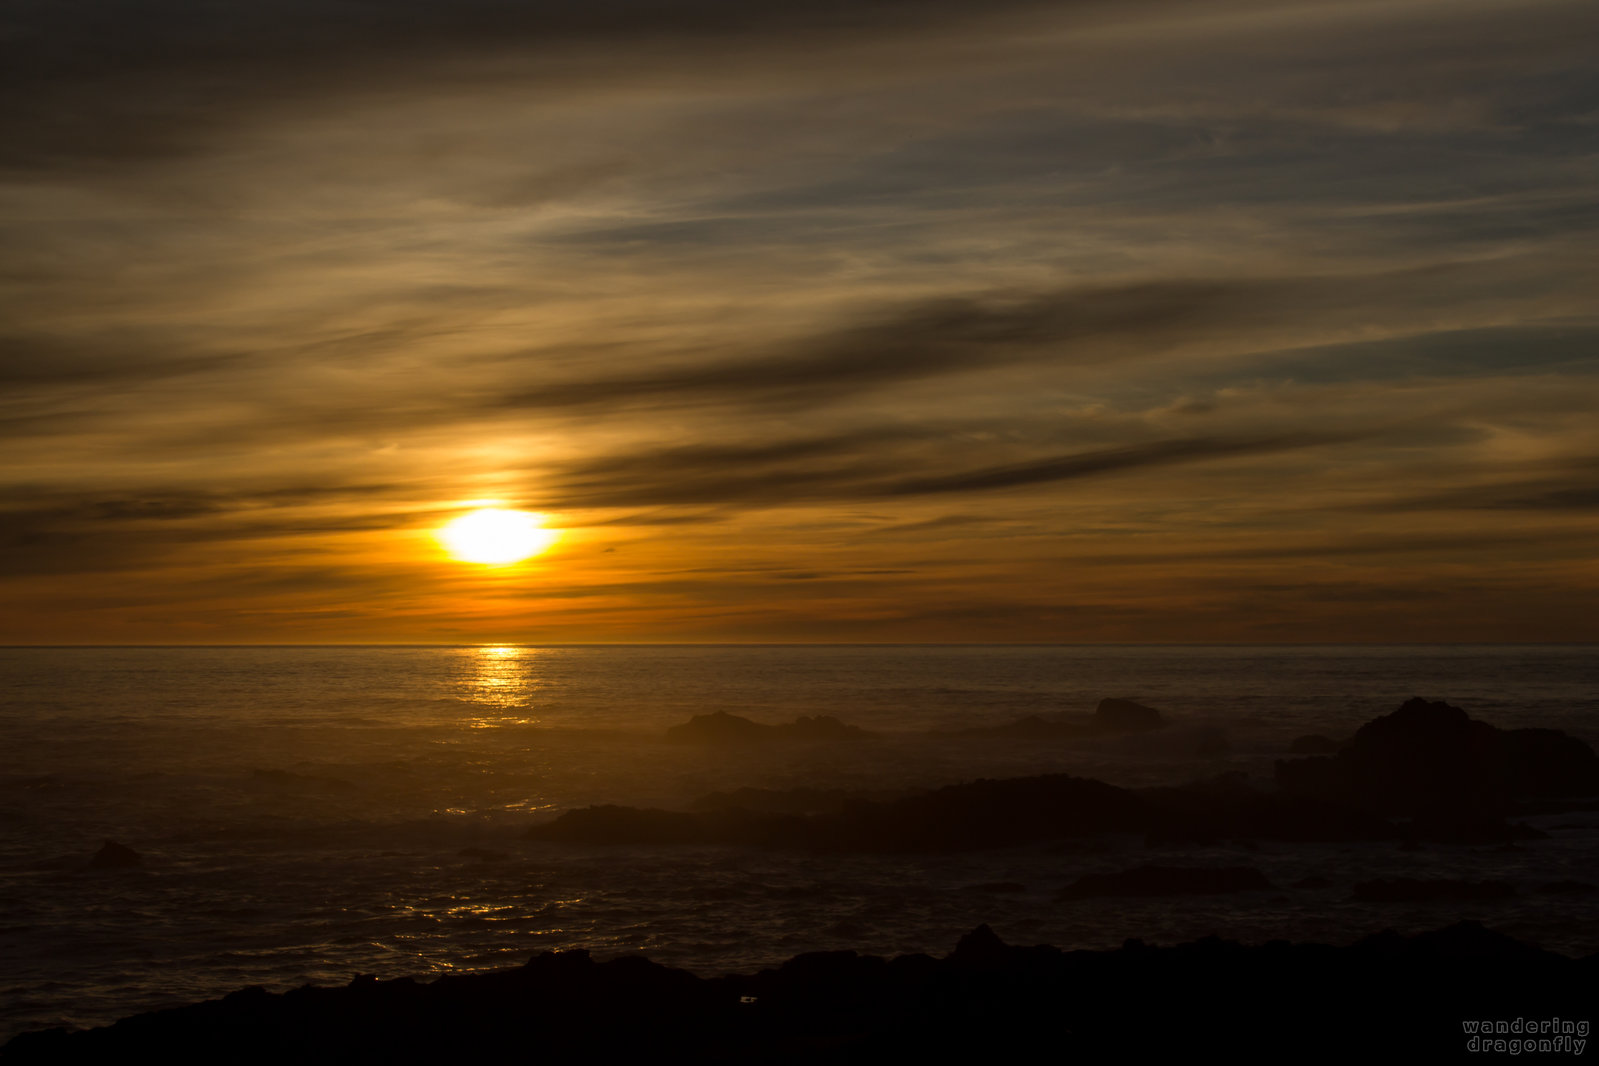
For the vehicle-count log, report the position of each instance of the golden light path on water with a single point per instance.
(502, 683)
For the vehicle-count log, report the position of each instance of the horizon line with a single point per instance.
(840, 644)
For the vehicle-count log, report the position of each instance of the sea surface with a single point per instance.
(309, 813)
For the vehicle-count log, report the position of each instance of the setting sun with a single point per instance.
(495, 537)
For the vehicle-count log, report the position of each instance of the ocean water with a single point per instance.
(309, 813)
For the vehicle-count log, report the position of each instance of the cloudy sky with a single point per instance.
(844, 320)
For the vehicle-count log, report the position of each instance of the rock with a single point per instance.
(1433, 762)
(980, 949)
(1424, 890)
(1313, 744)
(718, 728)
(986, 1001)
(114, 856)
(1168, 881)
(1567, 887)
(822, 727)
(1113, 717)
(977, 815)
(1547, 762)
(1124, 716)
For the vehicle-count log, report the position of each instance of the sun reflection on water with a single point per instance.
(501, 683)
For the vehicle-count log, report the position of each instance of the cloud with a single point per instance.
(842, 469)
(97, 84)
(1060, 468)
(831, 289)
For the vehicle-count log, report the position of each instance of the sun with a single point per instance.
(495, 537)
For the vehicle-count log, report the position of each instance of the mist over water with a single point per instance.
(307, 813)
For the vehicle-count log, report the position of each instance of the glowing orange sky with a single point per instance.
(878, 321)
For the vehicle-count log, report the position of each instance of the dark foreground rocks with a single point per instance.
(1386, 998)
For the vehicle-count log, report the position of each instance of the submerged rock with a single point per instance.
(114, 856)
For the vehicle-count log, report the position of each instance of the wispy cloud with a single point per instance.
(873, 318)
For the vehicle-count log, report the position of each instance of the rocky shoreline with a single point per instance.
(1427, 771)
(1426, 997)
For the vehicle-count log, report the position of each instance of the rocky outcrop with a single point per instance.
(1453, 774)
(1113, 717)
(1124, 716)
(985, 814)
(975, 815)
(1451, 777)
(986, 1001)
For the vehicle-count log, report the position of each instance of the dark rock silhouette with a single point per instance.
(1168, 881)
(789, 800)
(1113, 717)
(986, 1001)
(1454, 779)
(1124, 716)
(1420, 890)
(976, 815)
(724, 728)
(1454, 775)
(989, 814)
(718, 728)
(114, 856)
(1228, 807)
(1313, 744)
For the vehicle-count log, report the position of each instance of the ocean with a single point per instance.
(309, 813)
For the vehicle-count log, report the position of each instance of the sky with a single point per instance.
(878, 320)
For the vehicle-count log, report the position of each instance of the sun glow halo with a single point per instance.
(495, 537)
